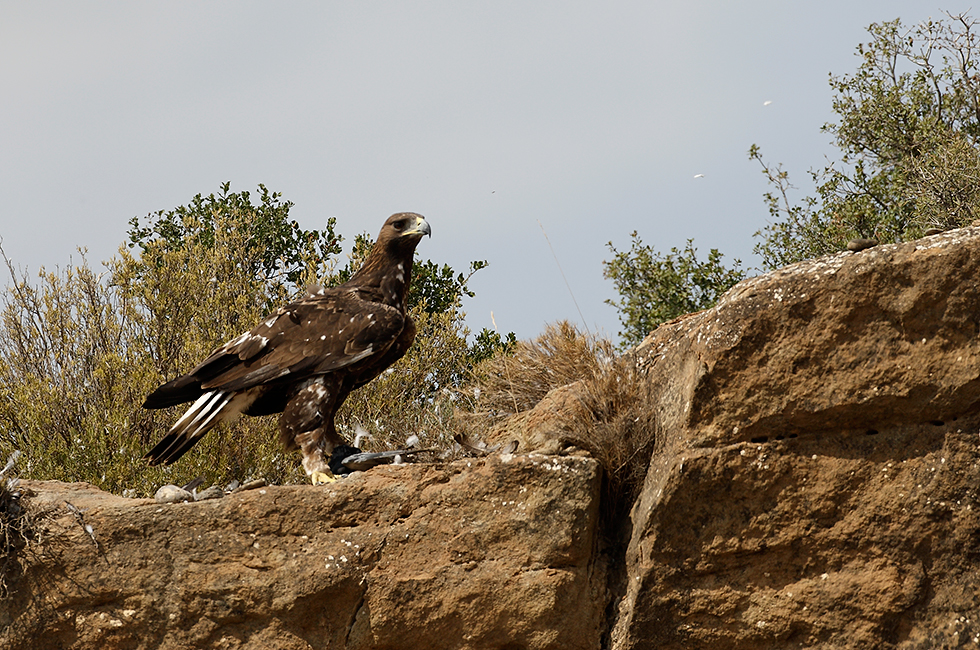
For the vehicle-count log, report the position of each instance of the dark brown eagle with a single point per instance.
(305, 359)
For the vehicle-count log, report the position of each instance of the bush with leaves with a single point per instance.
(81, 349)
(70, 378)
(655, 288)
(907, 128)
(275, 250)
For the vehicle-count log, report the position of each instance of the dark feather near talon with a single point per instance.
(347, 459)
(337, 458)
(193, 484)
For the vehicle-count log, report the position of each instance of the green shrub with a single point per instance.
(654, 288)
(907, 130)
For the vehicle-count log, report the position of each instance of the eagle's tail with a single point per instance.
(180, 390)
(210, 409)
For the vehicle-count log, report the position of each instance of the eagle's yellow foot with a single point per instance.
(319, 478)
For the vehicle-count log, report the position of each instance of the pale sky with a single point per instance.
(487, 117)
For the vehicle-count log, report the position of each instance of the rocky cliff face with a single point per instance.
(496, 553)
(819, 481)
(816, 485)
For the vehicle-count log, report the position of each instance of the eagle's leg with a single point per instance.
(307, 424)
(324, 468)
(315, 457)
(315, 461)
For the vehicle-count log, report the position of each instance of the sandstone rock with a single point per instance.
(546, 427)
(860, 244)
(847, 341)
(494, 553)
(818, 481)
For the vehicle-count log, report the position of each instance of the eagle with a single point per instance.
(305, 359)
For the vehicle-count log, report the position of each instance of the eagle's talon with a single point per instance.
(321, 478)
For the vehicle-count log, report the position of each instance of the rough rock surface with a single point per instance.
(818, 485)
(495, 553)
(546, 428)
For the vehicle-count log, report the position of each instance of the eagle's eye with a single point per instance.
(399, 225)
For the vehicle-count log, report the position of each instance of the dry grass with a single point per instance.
(617, 425)
(509, 384)
(622, 431)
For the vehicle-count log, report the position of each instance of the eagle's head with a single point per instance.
(404, 228)
(389, 263)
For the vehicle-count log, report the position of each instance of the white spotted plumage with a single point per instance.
(304, 359)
